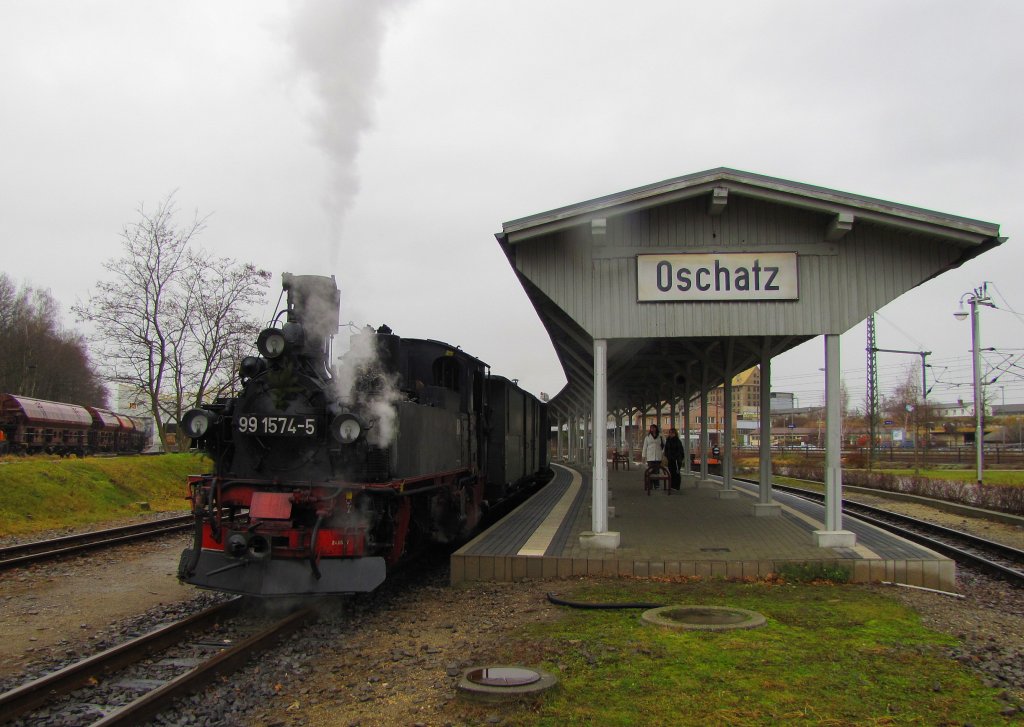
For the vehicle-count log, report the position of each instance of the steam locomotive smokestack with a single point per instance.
(313, 301)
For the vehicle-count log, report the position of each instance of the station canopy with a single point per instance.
(694, 279)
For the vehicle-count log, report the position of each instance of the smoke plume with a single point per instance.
(337, 46)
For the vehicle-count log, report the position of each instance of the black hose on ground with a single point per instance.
(552, 598)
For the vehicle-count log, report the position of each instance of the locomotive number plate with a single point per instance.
(277, 426)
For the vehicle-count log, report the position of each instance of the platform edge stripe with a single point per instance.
(467, 548)
(568, 527)
(545, 532)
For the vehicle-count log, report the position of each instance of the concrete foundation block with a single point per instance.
(767, 509)
(835, 538)
(607, 540)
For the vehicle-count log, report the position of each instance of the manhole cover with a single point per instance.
(703, 618)
(503, 676)
(501, 682)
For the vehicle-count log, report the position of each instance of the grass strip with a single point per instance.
(829, 655)
(44, 493)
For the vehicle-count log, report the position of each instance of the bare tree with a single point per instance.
(165, 307)
(219, 332)
(902, 405)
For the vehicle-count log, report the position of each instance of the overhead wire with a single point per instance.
(1007, 307)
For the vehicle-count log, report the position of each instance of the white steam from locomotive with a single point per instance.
(363, 380)
(360, 378)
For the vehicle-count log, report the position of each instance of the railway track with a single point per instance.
(28, 553)
(133, 682)
(968, 550)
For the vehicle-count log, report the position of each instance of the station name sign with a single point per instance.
(739, 276)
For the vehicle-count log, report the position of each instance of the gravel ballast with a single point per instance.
(390, 658)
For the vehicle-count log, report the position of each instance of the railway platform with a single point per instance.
(688, 532)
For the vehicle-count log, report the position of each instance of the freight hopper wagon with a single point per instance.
(35, 426)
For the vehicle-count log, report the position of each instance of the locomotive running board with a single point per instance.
(272, 577)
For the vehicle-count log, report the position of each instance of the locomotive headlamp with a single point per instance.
(347, 428)
(197, 422)
(271, 343)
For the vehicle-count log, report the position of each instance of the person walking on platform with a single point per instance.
(653, 448)
(674, 455)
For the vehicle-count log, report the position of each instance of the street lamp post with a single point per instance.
(978, 296)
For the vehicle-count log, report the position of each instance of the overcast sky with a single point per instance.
(386, 142)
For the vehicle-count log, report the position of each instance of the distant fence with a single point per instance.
(996, 455)
(1006, 456)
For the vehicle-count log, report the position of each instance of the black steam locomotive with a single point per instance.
(327, 476)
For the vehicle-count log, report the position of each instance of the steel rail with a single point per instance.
(66, 540)
(34, 694)
(152, 703)
(39, 691)
(27, 553)
(1007, 551)
(1013, 575)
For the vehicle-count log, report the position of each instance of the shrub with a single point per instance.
(1003, 498)
(812, 572)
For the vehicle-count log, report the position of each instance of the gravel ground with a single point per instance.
(1012, 535)
(988, 622)
(65, 607)
(389, 658)
(394, 658)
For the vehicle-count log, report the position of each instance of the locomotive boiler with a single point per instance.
(327, 476)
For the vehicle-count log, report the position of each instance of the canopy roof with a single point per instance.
(854, 254)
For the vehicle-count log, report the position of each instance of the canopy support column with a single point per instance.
(833, 536)
(687, 467)
(764, 507)
(600, 536)
(725, 442)
(705, 435)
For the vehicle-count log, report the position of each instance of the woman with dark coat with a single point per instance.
(674, 455)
